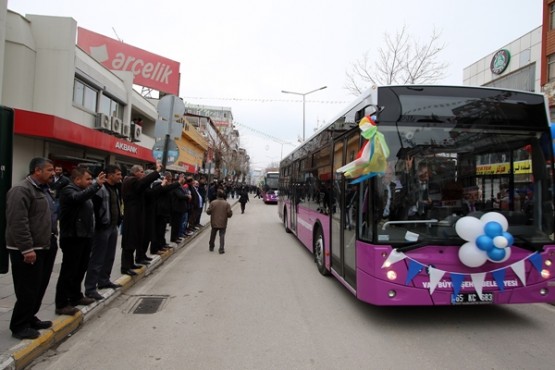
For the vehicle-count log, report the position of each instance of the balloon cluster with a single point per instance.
(487, 239)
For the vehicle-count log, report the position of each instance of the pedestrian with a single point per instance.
(178, 208)
(162, 213)
(132, 192)
(184, 228)
(243, 198)
(202, 190)
(58, 181)
(107, 210)
(31, 230)
(77, 226)
(219, 211)
(196, 205)
(212, 190)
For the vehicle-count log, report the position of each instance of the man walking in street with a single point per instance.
(107, 210)
(31, 242)
(219, 211)
(76, 238)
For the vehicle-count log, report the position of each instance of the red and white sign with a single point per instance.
(150, 70)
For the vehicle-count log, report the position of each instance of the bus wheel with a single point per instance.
(287, 229)
(319, 252)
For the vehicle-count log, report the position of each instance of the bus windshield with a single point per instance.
(454, 155)
(271, 181)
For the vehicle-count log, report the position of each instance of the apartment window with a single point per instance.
(552, 16)
(85, 95)
(551, 68)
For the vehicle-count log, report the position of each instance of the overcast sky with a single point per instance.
(242, 53)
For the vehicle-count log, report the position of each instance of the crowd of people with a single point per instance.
(85, 213)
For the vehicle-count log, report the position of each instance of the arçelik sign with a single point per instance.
(150, 70)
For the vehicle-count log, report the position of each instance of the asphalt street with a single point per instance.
(263, 305)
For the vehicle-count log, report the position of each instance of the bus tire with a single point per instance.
(319, 252)
(287, 229)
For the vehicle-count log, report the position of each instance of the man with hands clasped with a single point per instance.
(31, 242)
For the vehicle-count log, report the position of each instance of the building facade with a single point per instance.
(548, 54)
(67, 106)
(516, 65)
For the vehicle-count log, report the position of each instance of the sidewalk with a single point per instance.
(16, 354)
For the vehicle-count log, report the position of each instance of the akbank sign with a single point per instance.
(150, 70)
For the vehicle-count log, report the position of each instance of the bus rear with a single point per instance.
(461, 212)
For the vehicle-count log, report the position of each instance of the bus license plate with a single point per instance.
(472, 298)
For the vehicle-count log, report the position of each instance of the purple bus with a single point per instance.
(454, 206)
(270, 187)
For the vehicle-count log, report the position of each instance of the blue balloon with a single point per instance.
(484, 242)
(496, 254)
(493, 229)
(510, 239)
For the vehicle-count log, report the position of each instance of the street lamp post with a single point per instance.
(304, 102)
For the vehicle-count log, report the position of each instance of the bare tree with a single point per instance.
(403, 60)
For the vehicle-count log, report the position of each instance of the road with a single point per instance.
(263, 305)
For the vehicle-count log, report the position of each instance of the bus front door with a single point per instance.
(343, 213)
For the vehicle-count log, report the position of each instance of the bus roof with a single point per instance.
(370, 97)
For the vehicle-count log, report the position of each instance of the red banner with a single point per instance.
(150, 70)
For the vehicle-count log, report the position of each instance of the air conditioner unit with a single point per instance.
(126, 130)
(116, 125)
(102, 122)
(136, 132)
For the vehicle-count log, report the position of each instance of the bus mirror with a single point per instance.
(367, 110)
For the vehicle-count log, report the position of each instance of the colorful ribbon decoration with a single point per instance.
(371, 160)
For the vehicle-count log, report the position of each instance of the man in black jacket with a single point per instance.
(133, 228)
(108, 216)
(76, 235)
(179, 203)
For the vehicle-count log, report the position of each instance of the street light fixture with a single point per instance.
(304, 102)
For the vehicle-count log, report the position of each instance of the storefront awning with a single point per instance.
(51, 127)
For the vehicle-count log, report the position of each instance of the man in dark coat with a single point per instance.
(107, 212)
(243, 198)
(161, 211)
(76, 236)
(133, 189)
(179, 202)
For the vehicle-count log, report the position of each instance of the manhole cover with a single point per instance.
(148, 305)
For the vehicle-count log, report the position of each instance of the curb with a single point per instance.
(25, 352)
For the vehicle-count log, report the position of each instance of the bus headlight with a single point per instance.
(548, 263)
(544, 291)
(546, 274)
(391, 294)
(391, 275)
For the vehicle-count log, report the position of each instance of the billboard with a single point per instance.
(150, 70)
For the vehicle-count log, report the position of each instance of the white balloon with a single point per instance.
(471, 256)
(497, 217)
(500, 242)
(469, 228)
